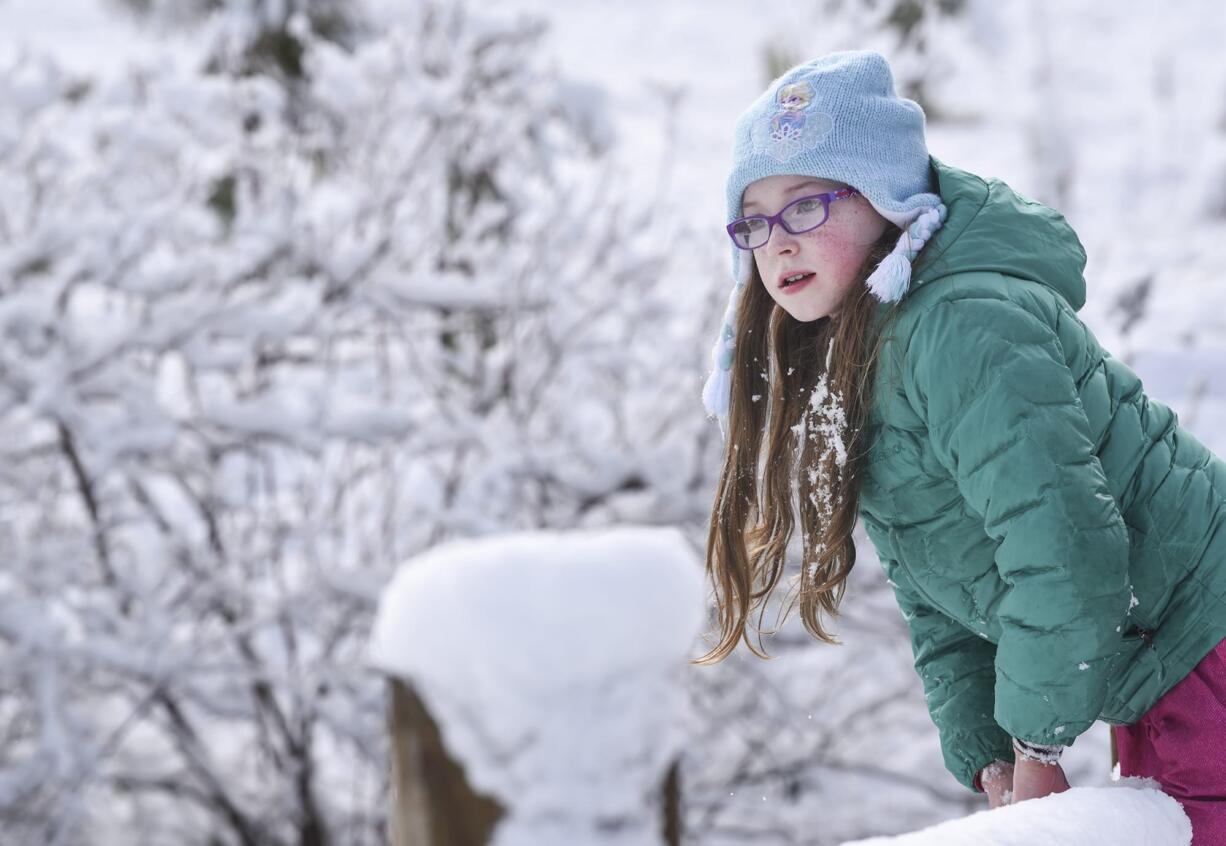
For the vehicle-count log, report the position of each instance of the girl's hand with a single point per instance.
(1033, 779)
(997, 781)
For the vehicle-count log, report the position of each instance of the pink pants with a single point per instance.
(1181, 742)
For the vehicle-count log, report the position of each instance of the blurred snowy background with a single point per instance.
(292, 290)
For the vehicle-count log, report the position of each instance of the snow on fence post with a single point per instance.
(535, 687)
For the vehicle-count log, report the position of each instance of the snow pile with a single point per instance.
(552, 663)
(1130, 812)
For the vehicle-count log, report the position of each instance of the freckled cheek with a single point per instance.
(838, 258)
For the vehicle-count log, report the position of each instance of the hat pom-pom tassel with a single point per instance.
(717, 392)
(891, 278)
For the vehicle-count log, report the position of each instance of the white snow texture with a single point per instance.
(1130, 812)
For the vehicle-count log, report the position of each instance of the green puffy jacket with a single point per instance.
(1056, 541)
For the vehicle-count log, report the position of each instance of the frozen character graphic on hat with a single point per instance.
(795, 96)
(794, 126)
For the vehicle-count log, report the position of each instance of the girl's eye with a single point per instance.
(806, 206)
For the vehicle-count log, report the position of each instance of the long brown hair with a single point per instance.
(810, 383)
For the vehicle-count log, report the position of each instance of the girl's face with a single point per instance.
(834, 252)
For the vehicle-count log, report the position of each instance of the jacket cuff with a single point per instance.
(973, 753)
(1042, 752)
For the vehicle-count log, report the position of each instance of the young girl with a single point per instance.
(902, 345)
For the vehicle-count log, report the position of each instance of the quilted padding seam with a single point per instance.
(971, 298)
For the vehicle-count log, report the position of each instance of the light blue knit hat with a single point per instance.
(835, 117)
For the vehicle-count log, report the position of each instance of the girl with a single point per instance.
(905, 335)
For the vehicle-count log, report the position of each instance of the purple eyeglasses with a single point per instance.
(800, 215)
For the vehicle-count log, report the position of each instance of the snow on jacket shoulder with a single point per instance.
(1037, 515)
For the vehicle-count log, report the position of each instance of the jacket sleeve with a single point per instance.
(956, 667)
(990, 380)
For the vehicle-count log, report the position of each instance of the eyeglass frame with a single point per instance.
(827, 198)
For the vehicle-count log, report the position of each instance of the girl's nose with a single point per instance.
(779, 240)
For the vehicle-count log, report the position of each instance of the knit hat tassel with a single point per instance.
(716, 393)
(890, 280)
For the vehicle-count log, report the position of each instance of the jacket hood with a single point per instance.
(990, 227)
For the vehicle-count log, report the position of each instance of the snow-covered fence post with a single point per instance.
(535, 692)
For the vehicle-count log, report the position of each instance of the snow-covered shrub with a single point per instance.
(256, 36)
(251, 358)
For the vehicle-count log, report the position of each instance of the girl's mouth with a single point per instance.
(789, 287)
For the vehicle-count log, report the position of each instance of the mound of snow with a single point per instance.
(1130, 812)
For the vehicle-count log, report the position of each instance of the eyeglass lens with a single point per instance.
(800, 216)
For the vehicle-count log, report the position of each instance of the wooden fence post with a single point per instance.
(432, 803)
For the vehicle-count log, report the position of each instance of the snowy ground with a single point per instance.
(1131, 813)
